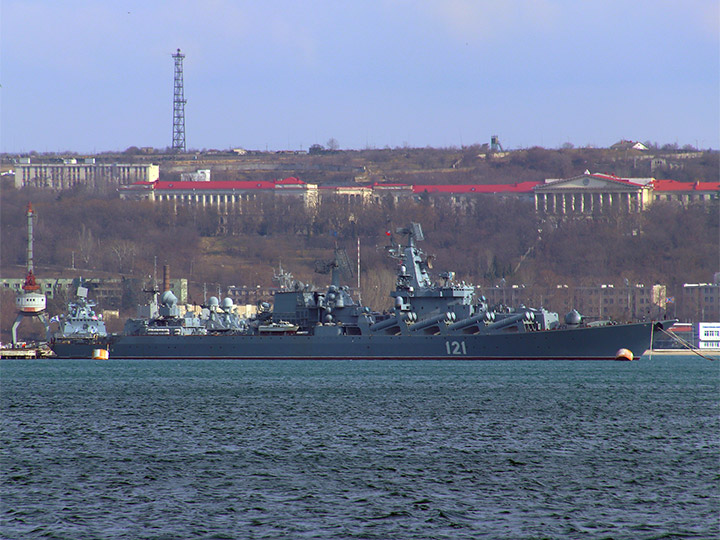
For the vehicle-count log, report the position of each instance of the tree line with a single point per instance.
(494, 238)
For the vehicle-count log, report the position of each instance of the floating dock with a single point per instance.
(27, 353)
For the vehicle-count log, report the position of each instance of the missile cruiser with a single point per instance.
(441, 320)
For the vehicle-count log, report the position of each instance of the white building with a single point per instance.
(201, 175)
(70, 173)
(592, 194)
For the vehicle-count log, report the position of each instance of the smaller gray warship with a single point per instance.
(81, 322)
(442, 320)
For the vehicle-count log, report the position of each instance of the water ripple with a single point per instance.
(232, 449)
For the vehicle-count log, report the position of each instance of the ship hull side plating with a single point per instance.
(596, 343)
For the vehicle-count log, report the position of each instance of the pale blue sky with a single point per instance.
(90, 76)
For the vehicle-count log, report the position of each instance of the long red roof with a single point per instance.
(674, 185)
(519, 187)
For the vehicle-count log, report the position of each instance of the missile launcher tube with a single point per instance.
(432, 321)
(508, 321)
(479, 319)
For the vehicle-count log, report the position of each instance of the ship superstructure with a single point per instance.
(81, 321)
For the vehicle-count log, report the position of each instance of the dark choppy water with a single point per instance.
(386, 450)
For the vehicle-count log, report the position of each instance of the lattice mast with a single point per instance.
(178, 140)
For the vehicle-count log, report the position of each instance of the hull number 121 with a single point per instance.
(455, 347)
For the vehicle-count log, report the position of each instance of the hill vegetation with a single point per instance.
(487, 242)
(497, 238)
(474, 164)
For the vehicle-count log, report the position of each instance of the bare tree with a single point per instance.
(86, 244)
(124, 251)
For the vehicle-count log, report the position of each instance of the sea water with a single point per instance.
(360, 449)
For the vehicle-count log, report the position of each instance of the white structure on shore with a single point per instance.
(71, 173)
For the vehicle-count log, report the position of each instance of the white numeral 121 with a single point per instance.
(455, 347)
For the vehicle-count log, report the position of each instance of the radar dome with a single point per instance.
(227, 303)
(213, 301)
(573, 318)
(168, 298)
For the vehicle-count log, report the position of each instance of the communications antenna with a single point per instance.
(338, 266)
(178, 140)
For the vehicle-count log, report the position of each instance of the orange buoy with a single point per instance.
(625, 355)
(100, 354)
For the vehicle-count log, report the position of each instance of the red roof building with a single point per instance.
(596, 193)
(685, 192)
(586, 194)
(592, 194)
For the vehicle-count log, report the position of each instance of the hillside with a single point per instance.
(474, 164)
(498, 238)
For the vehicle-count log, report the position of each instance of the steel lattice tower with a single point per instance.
(178, 140)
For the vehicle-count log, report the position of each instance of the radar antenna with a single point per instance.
(414, 232)
(284, 279)
(338, 266)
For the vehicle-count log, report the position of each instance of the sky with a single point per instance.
(90, 76)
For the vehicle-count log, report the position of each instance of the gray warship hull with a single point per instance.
(583, 343)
